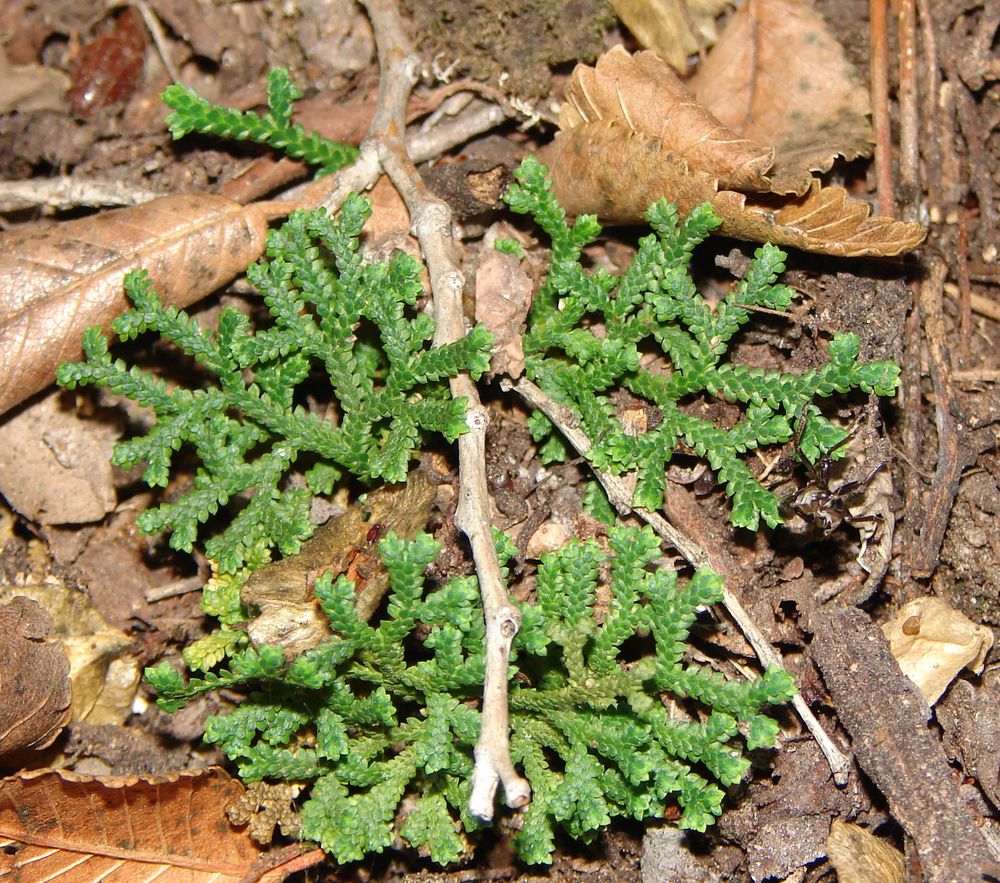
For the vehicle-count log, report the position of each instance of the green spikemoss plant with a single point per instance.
(192, 113)
(381, 717)
(377, 716)
(336, 320)
(587, 332)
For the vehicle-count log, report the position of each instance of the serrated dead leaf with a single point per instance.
(825, 220)
(34, 678)
(73, 828)
(642, 93)
(613, 169)
(60, 279)
(779, 76)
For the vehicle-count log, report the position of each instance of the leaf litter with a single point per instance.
(631, 133)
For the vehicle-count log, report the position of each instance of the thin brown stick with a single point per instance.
(887, 721)
(880, 107)
(977, 375)
(909, 126)
(922, 557)
(964, 289)
(620, 496)
(432, 225)
(911, 404)
(930, 145)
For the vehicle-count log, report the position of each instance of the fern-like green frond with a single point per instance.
(247, 430)
(381, 717)
(191, 113)
(587, 329)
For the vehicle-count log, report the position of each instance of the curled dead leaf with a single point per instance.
(824, 220)
(103, 673)
(58, 280)
(34, 678)
(609, 167)
(641, 92)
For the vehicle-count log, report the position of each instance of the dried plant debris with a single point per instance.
(34, 685)
(265, 806)
(618, 151)
(673, 29)
(286, 612)
(933, 642)
(860, 857)
(104, 674)
(30, 87)
(503, 298)
(59, 280)
(55, 468)
(169, 827)
(778, 76)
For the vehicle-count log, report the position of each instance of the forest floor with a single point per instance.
(925, 462)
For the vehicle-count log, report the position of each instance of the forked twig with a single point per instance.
(432, 225)
(620, 496)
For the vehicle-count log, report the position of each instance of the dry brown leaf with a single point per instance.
(609, 168)
(825, 220)
(860, 857)
(34, 678)
(58, 280)
(933, 642)
(103, 673)
(644, 94)
(674, 29)
(503, 298)
(28, 87)
(778, 76)
(281, 594)
(75, 828)
(55, 468)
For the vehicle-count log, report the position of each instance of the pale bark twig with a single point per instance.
(620, 496)
(432, 225)
(159, 40)
(67, 192)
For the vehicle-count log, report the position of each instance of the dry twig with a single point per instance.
(909, 126)
(880, 107)
(922, 555)
(431, 221)
(896, 748)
